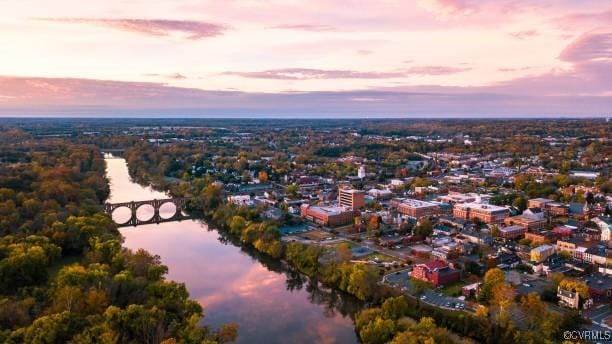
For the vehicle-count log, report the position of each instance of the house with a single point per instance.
(600, 286)
(596, 254)
(604, 223)
(436, 272)
(478, 238)
(540, 253)
(241, 200)
(470, 290)
(564, 231)
(579, 211)
(568, 298)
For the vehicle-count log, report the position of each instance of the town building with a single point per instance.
(486, 213)
(539, 203)
(512, 232)
(327, 216)
(436, 272)
(539, 237)
(380, 193)
(540, 253)
(416, 208)
(531, 223)
(568, 298)
(604, 223)
(361, 172)
(351, 198)
(557, 209)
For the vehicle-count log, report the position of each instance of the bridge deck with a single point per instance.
(179, 203)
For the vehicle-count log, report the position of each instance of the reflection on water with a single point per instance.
(270, 302)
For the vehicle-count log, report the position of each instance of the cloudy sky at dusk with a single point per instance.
(306, 58)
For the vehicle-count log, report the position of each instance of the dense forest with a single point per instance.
(64, 275)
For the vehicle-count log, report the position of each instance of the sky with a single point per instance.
(306, 58)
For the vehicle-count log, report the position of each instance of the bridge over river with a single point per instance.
(155, 216)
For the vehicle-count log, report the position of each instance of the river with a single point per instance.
(269, 302)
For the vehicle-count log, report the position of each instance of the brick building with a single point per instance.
(327, 216)
(417, 209)
(435, 272)
(531, 223)
(512, 232)
(351, 198)
(486, 213)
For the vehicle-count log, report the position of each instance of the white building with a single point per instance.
(604, 223)
(361, 172)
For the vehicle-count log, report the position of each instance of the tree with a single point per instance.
(424, 228)
(520, 203)
(405, 228)
(378, 331)
(492, 279)
(262, 176)
(503, 299)
(343, 252)
(394, 308)
(292, 190)
(576, 286)
(534, 309)
(227, 333)
(373, 225)
(362, 281)
(482, 311)
(237, 224)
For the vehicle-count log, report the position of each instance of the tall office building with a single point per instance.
(351, 198)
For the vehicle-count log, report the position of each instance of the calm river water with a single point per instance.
(269, 302)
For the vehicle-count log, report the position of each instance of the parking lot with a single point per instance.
(599, 315)
(401, 280)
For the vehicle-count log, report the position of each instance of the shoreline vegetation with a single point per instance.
(64, 275)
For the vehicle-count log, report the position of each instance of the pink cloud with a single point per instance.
(589, 47)
(86, 97)
(435, 70)
(585, 20)
(450, 7)
(305, 27)
(524, 34)
(310, 73)
(364, 52)
(174, 76)
(152, 27)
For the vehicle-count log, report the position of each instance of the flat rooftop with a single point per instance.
(352, 191)
(330, 210)
(415, 203)
(481, 206)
